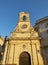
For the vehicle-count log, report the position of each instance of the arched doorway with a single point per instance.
(24, 59)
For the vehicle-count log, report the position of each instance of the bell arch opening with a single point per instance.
(24, 59)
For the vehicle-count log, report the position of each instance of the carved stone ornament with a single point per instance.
(24, 46)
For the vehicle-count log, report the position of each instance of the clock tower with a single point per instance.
(24, 22)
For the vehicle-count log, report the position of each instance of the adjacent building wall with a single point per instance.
(42, 27)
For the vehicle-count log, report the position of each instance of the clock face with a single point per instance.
(24, 26)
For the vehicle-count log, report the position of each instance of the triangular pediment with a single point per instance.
(24, 29)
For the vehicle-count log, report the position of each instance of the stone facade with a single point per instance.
(1, 41)
(24, 45)
(1, 44)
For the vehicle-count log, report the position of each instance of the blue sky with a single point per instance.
(9, 10)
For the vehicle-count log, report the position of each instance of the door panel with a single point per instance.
(24, 59)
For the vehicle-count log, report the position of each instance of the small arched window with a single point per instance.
(24, 18)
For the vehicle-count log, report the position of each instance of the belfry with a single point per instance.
(23, 46)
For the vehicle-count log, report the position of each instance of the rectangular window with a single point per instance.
(47, 31)
(46, 53)
(46, 25)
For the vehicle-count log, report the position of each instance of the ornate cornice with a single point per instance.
(34, 38)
